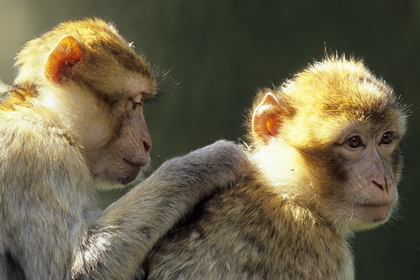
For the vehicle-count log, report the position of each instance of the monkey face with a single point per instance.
(366, 162)
(128, 147)
(95, 85)
(116, 141)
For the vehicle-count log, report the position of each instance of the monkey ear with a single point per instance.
(65, 54)
(266, 118)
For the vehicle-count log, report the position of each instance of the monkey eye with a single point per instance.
(135, 104)
(137, 101)
(354, 142)
(387, 138)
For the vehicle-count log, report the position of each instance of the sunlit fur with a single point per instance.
(291, 216)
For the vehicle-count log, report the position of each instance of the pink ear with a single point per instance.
(266, 118)
(65, 54)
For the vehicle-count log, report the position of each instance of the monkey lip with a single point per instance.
(367, 206)
(129, 178)
(139, 163)
(134, 164)
(132, 170)
(373, 212)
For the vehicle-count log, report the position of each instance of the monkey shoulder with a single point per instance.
(218, 238)
(237, 230)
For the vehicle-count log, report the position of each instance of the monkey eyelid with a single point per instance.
(357, 144)
(143, 97)
(137, 101)
(394, 136)
(138, 98)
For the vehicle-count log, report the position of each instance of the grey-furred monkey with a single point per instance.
(326, 162)
(73, 119)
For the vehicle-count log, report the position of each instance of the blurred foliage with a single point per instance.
(218, 53)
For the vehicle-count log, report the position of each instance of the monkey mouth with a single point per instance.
(373, 212)
(136, 166)
(373, 204)
(134, 170)
(128, 179)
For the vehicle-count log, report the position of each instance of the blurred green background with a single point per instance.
(218, 53)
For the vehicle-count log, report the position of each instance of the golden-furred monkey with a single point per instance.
(325, 149)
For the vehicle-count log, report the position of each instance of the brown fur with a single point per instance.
(291, 216)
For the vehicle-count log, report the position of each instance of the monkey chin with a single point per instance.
(368, 216)
(106, 184)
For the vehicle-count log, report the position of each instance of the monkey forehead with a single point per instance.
(364, 103)
(113, 88)
(373, 109)
(312, 128)
(136, 84)
(107, 52)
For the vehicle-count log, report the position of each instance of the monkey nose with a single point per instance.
(381, 184)
(146, 141)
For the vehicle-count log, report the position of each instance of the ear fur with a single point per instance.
(266, 118)
(63, 56)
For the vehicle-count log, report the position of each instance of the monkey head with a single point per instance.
(91, 83)
(330, 138)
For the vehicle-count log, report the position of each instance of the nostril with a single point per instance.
(147, 146)
(381, 185)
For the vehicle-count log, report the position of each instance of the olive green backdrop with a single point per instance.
(218, 52)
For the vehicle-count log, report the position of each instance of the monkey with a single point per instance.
(73, 120)
(325, 162)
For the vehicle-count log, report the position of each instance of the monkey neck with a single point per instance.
(295, 208)
(61, 107)
(280, 224)
(30, 99)
(283, 168)
(283, 171)
(26, 98)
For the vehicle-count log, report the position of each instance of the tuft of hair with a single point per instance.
(95, 37)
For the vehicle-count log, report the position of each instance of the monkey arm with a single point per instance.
(127, 229)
